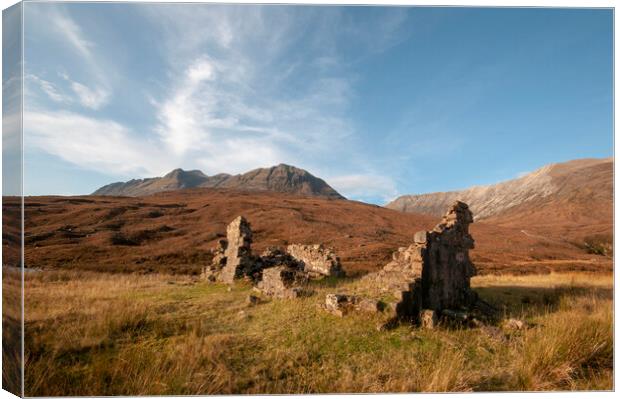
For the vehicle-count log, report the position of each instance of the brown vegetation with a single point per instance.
(174, 232)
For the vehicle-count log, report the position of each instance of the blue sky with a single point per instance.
(377, 101)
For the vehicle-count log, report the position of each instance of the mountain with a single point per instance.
(281, 178)
(575, 195)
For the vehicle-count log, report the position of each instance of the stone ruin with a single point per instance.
(284, 282)
(317, 260)
(431, 277)
(276, 272)
(426, 281)
(239, 260)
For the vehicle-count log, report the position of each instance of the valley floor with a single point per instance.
(108, 334)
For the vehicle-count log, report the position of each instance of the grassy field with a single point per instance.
(105, 334)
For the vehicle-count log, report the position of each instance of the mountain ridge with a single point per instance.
(556, 180)
(279, 178)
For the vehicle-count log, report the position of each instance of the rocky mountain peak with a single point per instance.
(278, 178)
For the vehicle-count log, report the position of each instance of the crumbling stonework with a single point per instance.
(212, 271)
(283, 282)
(341, 304)
(275, 256)
(433, 273)
(238, 253)
(404, 269)
(447, 268)
(278, 273)
(317, 260)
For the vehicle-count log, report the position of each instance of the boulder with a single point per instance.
(514, 324)
(342, 304)
(428, 319)
(252, 300)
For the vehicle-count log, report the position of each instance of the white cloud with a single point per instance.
(90, 98)
(93, 98)
(200, 71)
(365, 186)
(72, 33)
(48, 88)
(95, 144)
(87, 60)
(11, 132)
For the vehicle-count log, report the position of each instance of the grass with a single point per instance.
(11, 330)
(106, 334)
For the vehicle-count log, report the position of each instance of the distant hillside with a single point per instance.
(555, 181)
(281, 178)
(174, 232)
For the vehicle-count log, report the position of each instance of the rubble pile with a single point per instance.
(317, 260)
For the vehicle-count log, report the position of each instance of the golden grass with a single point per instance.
(11, 330)
(104, 334)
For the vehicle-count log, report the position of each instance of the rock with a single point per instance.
(369, 305)
(341, 304)
(420, 237)
(514, 324)
(317, 260)
(252, 300)
(298, 292)
(455, 315)
(475, 323)
(242, 315)
(428, 319)
(239, 259)
(337, 304)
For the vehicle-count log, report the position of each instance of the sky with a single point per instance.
(377, 101)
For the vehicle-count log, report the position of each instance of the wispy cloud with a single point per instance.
(48, 88)
(56, 23)
(65, 93)
(71, 32)
(365, 186)
(228, 94)
(91, 143)
(90, 98)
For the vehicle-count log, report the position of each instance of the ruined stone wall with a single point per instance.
(239, 259)
(447, 268)
(212, 271)
(283, 282)
(317, 260)
(434, 272)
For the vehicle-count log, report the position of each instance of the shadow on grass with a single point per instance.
(524, 301)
